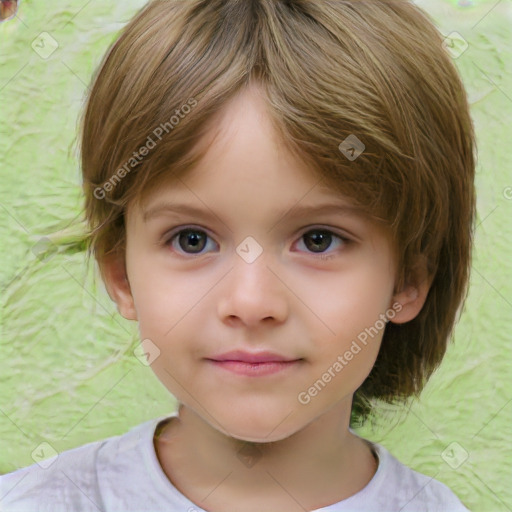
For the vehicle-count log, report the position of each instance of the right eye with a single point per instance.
(189, 241)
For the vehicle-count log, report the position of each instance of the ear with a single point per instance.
(413, 294)
(113, 272)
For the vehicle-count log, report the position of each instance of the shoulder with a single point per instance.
(408, 490)
(69, 476)
(69, 480)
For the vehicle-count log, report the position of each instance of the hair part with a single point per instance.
(327, 69)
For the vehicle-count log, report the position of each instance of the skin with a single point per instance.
(302, 302)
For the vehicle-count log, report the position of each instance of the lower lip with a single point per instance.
(255, 369)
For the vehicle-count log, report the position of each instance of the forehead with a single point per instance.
(242, 153)
(220, 187)
(245, 166)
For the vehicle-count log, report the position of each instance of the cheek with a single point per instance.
(163, 299)
(350, 315)
(350, 300)
(170, 309)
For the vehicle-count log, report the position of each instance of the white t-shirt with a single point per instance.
(122, 474)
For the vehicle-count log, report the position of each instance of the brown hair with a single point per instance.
(328, 69)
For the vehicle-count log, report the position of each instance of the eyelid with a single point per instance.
(342, 233)
(171, 233)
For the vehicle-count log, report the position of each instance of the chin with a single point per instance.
(259, 427)
(252, 436)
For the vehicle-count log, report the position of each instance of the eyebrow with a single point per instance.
(163, 209)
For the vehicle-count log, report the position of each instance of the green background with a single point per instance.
(69, 375)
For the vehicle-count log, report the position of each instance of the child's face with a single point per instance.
(306, 298)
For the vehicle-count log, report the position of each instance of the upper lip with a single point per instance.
(252, 357)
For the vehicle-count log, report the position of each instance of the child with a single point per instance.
(250, 128)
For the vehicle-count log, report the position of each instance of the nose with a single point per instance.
(253, 294)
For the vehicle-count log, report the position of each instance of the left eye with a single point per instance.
(321, 239)
(193, 241)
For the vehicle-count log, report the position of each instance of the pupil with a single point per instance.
(193, 240)
(319, 238)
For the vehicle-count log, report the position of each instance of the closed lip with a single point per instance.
(252, 357)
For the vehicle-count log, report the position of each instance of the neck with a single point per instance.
(319, 465)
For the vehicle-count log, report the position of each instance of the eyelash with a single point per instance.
(167, 240)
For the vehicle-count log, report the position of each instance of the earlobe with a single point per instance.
(113, 271)
(411, 298)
